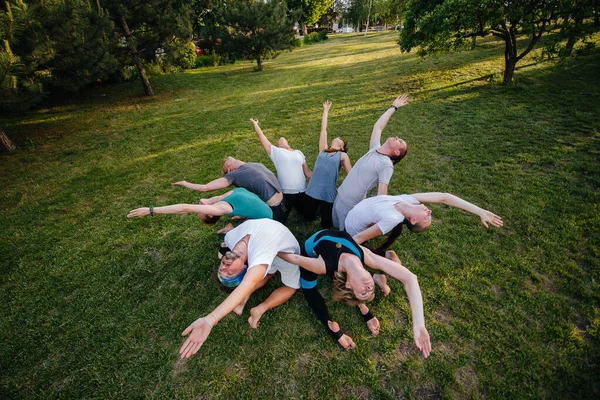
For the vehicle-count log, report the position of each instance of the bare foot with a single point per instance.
(381, 281)
(391, 255)
(239, 309)
(373, 325)
(255, 314)
(224, 230)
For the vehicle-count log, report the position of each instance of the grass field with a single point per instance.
(93, 304)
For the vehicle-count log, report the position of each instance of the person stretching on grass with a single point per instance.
(375, 167)
(247, 266)
(335, 253)
(291, 167)
(236, 203)
(320, 193)
(379, 215)
(253, 177)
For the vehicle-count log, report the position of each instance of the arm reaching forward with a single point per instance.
(411, 285)
(379, 126)
(217, 184)
(451, 200)
(261, 136)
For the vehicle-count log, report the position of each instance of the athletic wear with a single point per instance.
(256, 178)
(288, 164)
(377, 210)
(248, 205)
(323, 181)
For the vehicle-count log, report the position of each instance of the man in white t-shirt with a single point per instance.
(291, 167)
(247, 266)
(374, 168)
(380, 215)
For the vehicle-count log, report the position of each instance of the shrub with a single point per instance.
(323, 35)
(298, 43)
(315, 37)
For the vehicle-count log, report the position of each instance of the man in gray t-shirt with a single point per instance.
(375, 167)
(254, 177)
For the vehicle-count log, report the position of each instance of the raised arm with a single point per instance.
(200, 329)
(411, 286)
(216, 209)
(323, 136)
(217, 184)
(261, 136)
(383, 120)
(451, 200)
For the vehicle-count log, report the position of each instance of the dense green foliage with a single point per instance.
(93, 304)
(310, 10)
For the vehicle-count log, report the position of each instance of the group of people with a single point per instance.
(262, 246)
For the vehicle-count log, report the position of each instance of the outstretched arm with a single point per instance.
(383, 120)
(200, 329)
(314, 265)
(217, 184)
(217, 209)
(215, 199)
(261, 136)
(486, 216)
(411, 285)
(323, 135)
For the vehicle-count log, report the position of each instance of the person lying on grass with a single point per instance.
(236, 203)
(321, 191)
(249, 264)
(253, 177)
(335, 253)
(379, 215)
(291, 167)
(375, 167)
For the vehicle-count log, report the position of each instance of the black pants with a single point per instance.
(310, 208)
(280, 212)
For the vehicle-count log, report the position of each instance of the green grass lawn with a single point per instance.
(93, 304)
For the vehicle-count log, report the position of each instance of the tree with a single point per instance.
(258, 29)
(147, 26)
(443, 25)
(310, 11)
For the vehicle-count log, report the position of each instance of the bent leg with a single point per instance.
(279, 296)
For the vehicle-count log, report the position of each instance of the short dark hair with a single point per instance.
(211, 220)
(397, 158)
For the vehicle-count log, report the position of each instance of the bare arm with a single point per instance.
(200, 329)
(316, 265)
(369, 233)
(323, 135)
(451, 200)
(217, 184)
(382, 188)
(215, 199)
(261, 136)
(413, 291)
(217, 209)
(306, 170)
(346, 163)
(383, 120)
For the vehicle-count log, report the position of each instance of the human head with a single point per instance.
(209, 219)
(230, 164)
(353, 289)
(419, 218)
(282, 143)
(339, 144)
(231, 269)
(397, 149)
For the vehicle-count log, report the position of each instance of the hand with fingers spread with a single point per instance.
(400, 101)
(139, 212)
(490, 218)
(422, 340)
(198, 331)
(327, 105)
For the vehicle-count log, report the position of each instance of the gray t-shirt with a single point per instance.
(371, 169)
(255, 178)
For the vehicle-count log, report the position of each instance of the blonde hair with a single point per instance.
(343, 294)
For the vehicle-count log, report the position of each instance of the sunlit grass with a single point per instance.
(93, 304)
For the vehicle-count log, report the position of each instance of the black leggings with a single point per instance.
(310, 209)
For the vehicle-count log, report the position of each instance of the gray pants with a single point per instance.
(340, 211)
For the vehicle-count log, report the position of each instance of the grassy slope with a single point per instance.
(93, 304)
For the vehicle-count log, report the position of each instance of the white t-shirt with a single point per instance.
(267, 238)
(289, 169)
(377, 210)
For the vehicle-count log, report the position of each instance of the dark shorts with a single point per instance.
(311, 208)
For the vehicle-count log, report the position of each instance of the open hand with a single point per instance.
(139, 212)
(199, 333)
(254, 121)
(491, 218)
(401, 101)
(422, 341)
(327, 105)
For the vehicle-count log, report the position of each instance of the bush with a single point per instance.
(212, 60)
(298, 43)
(315, 37)
(323, 35)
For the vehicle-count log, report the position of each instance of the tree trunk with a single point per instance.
(473, 42)
(6, 142)
(368, 18)
(573, 37)
(138, 62)
(258, 63)
(510, 57)
(304, 30)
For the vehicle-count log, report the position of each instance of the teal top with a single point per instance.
(248, 205)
